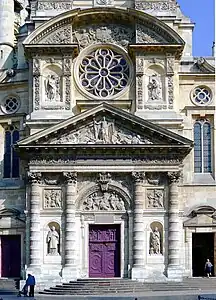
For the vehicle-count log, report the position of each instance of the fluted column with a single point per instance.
(138, 230)
(34, 221)
(173, 270)
(69, 271)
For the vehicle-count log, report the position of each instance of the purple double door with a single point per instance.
(104, 251)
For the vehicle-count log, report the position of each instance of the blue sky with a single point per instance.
(201, 12)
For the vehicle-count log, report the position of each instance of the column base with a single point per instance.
(69, 273)
(174, 273)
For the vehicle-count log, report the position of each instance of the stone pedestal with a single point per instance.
(69, 271)
(138, 271)
(34, 266)
(174, 270)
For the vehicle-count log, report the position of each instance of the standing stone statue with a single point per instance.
(51, 85)
(154, 88)
(53, 241)
(155, 242)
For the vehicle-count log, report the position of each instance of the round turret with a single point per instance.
(6, 33)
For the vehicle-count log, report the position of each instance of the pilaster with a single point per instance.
(70, 266)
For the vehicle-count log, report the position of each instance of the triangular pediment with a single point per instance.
(105, 125)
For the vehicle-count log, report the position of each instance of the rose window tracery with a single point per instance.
(104, 72)
(201, 95)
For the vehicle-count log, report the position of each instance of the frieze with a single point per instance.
(155, 198)
(99, 201)
(100, 131)
(55, 5)
(144, 35)
(158, 6)
(52, 198)
(117, 34)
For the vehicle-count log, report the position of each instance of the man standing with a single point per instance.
(30, 281)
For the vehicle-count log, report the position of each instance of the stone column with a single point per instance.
(34, 223)
(174, 271)
(70, 266)
(138, 226)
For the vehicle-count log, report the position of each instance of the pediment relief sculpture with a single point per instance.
(107, 201)
(101, 131)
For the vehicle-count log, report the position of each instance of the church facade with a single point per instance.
(107, 142)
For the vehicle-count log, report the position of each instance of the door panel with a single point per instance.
(104, 251)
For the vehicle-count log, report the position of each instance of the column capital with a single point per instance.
(138, 177)
(34, 177)
(174, 177)
(70, 177)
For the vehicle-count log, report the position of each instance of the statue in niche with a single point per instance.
(53, 241)
(155, 242)
(154, 88)
(52, 88)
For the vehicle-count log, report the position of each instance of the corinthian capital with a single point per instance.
(138, 176)
(34, 178)
(174, 177)
(70, 177)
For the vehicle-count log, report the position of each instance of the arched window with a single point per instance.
(11, 159)
(202, 146)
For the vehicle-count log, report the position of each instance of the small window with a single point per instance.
(201, 95)
(10, 105)
(11, 158)
(202, 146)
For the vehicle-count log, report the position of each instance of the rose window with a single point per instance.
(10, 105)
(201, 96)
(104, 73)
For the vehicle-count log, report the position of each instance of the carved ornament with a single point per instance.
(115, 33)
(55, 5)
(63, 35)
(34, 178)
(174, 177)
(170, 91)
(155, 198)
(70, 177)
(52, 198)
(170, 61)
(144, 35)
(153, 178)
(99, 201)
(104, 180)
(170, 5)
(138, 177)
(100, 131)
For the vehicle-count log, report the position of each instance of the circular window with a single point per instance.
(104, 72)
(201, 95)
(10, 105)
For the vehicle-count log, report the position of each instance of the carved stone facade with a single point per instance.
(105, 132)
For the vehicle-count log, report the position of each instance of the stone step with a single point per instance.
(9, 286)
(123, 286)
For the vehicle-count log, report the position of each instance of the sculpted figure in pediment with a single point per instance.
(101, 131)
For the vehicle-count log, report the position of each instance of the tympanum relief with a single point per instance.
(101, 131)
(107, 201)
(53, 199)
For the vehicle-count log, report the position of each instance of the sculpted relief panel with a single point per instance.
(52, 198)
(101, 131)
(99, 201)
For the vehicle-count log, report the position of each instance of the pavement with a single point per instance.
(178, 295)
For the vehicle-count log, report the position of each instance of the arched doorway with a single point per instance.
(105, 219)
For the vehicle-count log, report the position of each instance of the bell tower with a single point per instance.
(7, 17)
